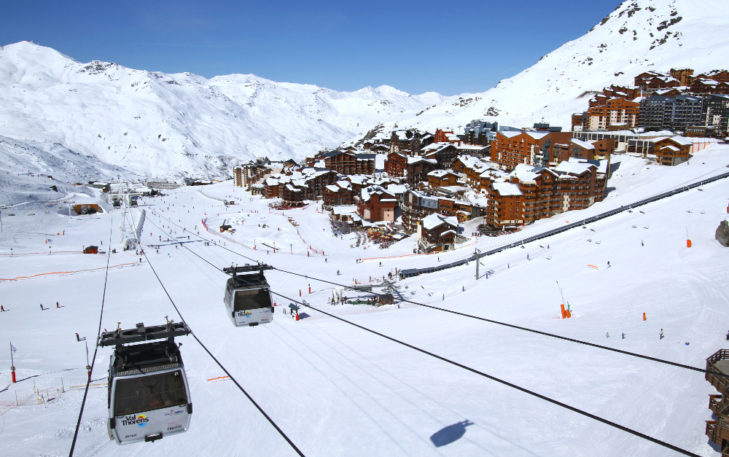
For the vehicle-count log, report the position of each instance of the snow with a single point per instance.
(336, 390)
(506, 189)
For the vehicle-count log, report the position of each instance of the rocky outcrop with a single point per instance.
(722, 233)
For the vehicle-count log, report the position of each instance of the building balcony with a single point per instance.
(715, 404)
(716, 366)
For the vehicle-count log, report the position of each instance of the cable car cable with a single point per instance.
(486, 375)
(222, 367)
(484, 319)
(96, 345)
(499, 380)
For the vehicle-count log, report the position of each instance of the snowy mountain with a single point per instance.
(639, 35)
(157, 124)
(171, 125)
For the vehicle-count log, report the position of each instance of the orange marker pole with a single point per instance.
(688, 243)
(569, 314)
(12, 375)
(564, 314)
(644, 316)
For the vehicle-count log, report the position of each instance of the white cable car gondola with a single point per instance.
(247, 295)
(148, 395)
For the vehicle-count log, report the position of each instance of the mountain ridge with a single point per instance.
(174, 125)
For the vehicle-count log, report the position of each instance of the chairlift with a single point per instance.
(148, 394)
(247, 295)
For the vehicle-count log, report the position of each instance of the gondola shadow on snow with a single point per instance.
(449, 434)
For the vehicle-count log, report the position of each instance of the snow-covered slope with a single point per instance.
(165, 125)
(159, 124)
(336, 390)
(639, 35)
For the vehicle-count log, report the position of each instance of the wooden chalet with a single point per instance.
(375, 204)
(442, 153)
(396, 164)
(437, 232)
(671, 151)
(443, 178)
(615, 114)
(349, 163)
(339, 193)
(717, 429)
(418, 169)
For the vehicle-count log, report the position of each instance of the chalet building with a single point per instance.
(443, 153)
(659, 112)
(511, 148)
(717, 373)
(683, 75)
(310, 181)
(446, 136)
(415, 206)
(376, 204)
(293, 194)
(238, 177)
(418, 169)
(339, 193)
(671, 151)
(579, 121)
(349, 163)
(249, 174)
(651, 80)
(704, 86)
(533, 193)
(716, 75)
(272, 188)
(396, 164)
(437, 233)
(716, 115)
(505, 207)
(408, 140)
(444, 178)
(667, 150)
(615, 114)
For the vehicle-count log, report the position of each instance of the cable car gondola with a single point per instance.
(247, 295)
(148, 395)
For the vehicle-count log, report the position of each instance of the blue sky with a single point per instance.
(415, 46)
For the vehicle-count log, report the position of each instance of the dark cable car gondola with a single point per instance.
(247, 295)
(148, 395)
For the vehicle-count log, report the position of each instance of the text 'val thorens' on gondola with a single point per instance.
(148, 396)
(247, 295)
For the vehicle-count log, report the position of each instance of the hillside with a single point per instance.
(639, 35)
(174, 125)
(335, 389)
(162, 125)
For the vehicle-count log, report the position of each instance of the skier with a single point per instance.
(623, 335)
(2, 309)
(42, 308)
(57, 305)
(727, 335)
(609, 264)
(660, 335)
(607, 335)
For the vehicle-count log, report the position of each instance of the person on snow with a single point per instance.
(2, 309)
(660, 335)
(57, 305)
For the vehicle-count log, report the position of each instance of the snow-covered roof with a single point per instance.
(525, 173)
(507, 189)
(582, 144)
(536, 135)
(332, 188)
(511, 133)
(396, 189)
(344, 184)
(272, 182)
(574, 167)
(421, 159)
(344, 209)
(434, 220)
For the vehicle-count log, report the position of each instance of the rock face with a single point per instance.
(722, 233)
